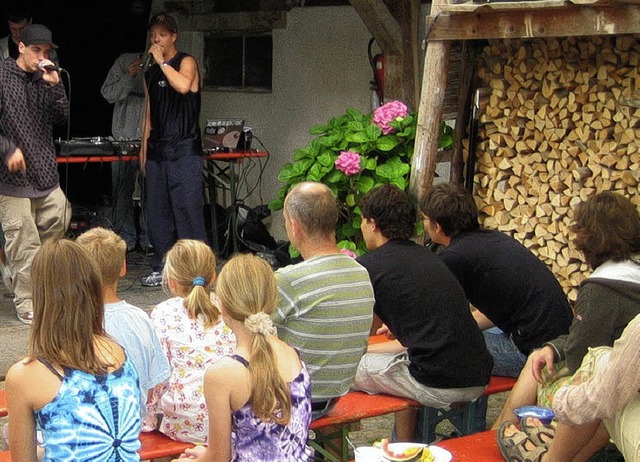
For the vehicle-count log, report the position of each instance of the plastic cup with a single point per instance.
(368, 454)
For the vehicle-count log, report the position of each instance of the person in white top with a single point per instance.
(604, 392)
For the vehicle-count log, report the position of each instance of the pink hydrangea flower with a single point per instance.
(388, 112)
(348, 253)
(349, 163)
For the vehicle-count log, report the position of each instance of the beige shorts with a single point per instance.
(389, 373)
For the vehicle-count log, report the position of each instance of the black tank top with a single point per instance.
(175, 118)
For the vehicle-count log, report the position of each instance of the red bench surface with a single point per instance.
(479, 447)
(157, 444)
(3, 403)
(498, 384)
(357, 405)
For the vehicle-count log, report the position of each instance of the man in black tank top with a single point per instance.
(171, 148)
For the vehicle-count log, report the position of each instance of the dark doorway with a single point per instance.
(90, 36)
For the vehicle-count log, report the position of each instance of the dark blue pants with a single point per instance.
(174, 204)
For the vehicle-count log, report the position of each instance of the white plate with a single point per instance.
(439, 454)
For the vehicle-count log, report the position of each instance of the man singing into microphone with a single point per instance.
(171, 148)
(33, 208)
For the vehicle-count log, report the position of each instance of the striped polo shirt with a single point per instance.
(325, 311)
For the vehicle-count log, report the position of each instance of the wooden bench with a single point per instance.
(479, 447)
(466, 412)
(154, 445)
(3, 403)
(348, 410)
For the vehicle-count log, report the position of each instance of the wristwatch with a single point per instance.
(164, 64)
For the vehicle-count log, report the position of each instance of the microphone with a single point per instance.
(49, 67)
(148, 61)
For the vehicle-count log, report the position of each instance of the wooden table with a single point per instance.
(212, 172)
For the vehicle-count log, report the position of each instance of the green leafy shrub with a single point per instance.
(383, 142)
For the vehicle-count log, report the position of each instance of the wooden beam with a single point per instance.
(401, 71)
(224, 22)
(570, 20)
(378, 19)
(470, 52)
(434, 84)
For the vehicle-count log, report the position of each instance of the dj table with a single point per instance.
(104, 150)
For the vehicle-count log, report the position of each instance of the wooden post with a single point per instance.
(434, 84)
(465, 96)
(395, 26)
(401, 75)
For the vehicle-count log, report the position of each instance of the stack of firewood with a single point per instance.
(559, 120)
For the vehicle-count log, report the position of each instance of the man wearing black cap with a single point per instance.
(171, 147)
(33, 208)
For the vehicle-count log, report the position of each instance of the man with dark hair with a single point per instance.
(326, 301)
(18, 17)
(438, 356)
(507, 284)
(171, 146)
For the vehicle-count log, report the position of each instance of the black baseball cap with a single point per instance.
(37, 34)
(165, 20)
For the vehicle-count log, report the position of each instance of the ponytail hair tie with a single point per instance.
(260, 323)
(198, 281)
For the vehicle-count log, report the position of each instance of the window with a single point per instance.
(238, 62)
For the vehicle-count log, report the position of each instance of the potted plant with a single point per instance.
(351, 154)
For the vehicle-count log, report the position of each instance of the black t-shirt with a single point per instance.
(510, 286)
(13, 49)
(424, 306)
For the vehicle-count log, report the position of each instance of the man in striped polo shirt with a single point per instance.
(326, 301)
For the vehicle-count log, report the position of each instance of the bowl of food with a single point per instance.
(544, 414)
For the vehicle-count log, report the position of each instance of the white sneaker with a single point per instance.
(26, 317)
(153, 280)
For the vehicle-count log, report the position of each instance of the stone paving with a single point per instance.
(14, 335)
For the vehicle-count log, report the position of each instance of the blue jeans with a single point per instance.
(508, 361)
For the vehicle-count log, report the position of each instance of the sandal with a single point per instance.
(514, 447)
(541, 434)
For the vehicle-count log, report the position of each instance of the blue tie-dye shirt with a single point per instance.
(93, 417)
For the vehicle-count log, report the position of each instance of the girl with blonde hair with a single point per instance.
(259, 398)
(193, 336)
(77, 385)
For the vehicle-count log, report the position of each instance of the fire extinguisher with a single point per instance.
(377, 84)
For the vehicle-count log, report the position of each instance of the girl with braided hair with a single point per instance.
(259, 398)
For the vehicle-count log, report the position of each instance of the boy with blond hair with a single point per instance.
(129, 325)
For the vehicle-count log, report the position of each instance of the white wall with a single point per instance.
(320, 68)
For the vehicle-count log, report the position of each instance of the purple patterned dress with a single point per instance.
(254, 440)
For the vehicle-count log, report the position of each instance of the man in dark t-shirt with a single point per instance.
(438, 356)
(508, 285)
(171, 146)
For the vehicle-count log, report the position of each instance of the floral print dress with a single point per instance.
(254, 440)
(191, 349)
(92, 417)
